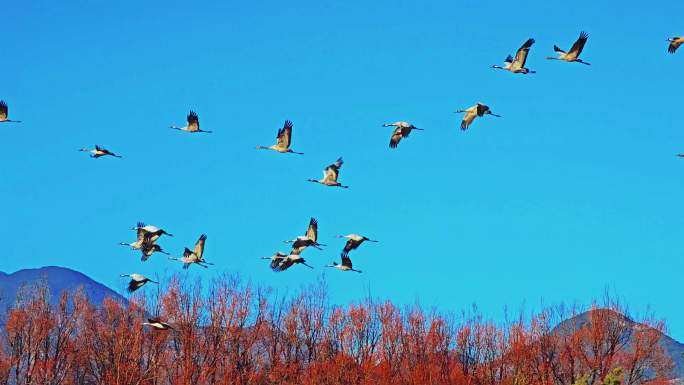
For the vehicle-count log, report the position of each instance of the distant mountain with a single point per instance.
(58, 279)
(674, 348)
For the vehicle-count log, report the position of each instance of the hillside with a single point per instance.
(674, 348)
(57, 278)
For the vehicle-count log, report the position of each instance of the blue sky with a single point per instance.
(574, 191)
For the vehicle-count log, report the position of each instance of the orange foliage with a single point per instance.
(231, 333)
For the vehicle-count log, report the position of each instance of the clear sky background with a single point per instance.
(574, 191)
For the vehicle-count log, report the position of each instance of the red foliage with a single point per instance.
(231, 334)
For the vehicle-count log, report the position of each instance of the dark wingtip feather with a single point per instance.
(288, 124)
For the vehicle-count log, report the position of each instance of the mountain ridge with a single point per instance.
(57, 279)
(674, 348)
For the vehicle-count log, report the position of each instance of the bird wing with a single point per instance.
(396, 137)
(331, 172)
(134, 285)
(338, 163)
(145, 254)
(141, 233)
(468, 119)
(346, 261)
(312, 231)
(285, 135)
(349, 246)
(187, 252)
(154, 320)
(98, 148)
(674, 44)
(275, 261)
(193, 121)
(482, 109)
(406, 131)
(297, 250)
(199, 246)
(3, 110)
(521, 55)
(509, 59)
(284, 264)
(577, 48)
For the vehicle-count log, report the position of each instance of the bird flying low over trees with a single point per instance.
(353, 242)
(517, 64)
(157, 324)
(346, 265)
(195, 256)
(675, 42)
(330, 175)
(4, 113)
(310, 238)
(193, 124)
(575, 51)
(99, 151)
(283, 140)
(402, 130)
(478, 110)
(137, 281)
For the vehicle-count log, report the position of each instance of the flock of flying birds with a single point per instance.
(147, 236)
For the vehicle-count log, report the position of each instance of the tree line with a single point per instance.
(233, 333)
